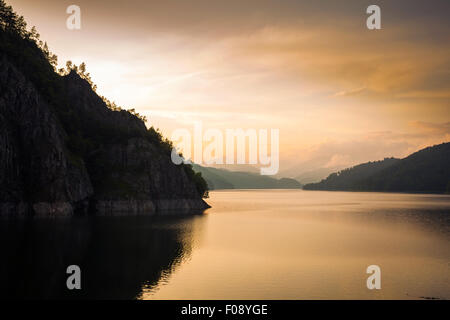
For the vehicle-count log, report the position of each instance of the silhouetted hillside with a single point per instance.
(225, 179)
(348, 178)
(427, 170)
(63, 148)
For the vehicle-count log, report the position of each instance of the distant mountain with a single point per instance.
(427, 170)
(315, 175)
(348, 178)
(225, 179)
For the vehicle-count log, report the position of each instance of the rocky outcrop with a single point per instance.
(37, 175)
(40, 175)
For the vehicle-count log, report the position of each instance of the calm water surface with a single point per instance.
(256, 244)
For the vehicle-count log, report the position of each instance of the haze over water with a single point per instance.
(315, 245)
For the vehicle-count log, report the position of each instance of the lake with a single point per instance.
(252, 244)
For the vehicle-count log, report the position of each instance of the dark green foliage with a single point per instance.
(349, 178)
(427, 170)
(200, 182)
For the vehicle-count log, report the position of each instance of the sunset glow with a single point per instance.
(339, 93)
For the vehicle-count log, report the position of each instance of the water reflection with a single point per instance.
(281, 244)
(260, 244)
(118, 256)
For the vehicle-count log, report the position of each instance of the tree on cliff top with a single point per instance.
(34, 59)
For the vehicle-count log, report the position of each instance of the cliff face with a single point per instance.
(119, 170)
(133, 174)
(36, 175)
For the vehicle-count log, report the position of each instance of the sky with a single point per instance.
(339, 93)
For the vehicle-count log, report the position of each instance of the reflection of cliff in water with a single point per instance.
(117, 255)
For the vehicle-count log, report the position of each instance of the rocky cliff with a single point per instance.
(35, 171)
(63, 151)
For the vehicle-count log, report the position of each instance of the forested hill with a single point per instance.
(225, 179)
(425, 171)
(65, 149)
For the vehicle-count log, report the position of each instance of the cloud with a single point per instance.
(352, 92)
(421, 94)
(354, 60)
(338, 160)
(338, 153)
(340, 94)
(430, 128)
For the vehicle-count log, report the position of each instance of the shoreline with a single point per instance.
(22, 210)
